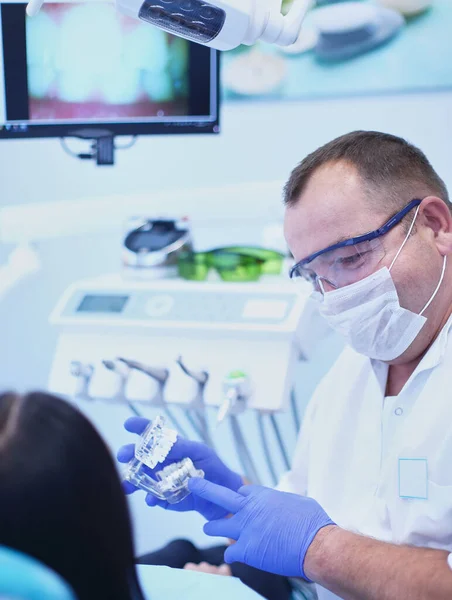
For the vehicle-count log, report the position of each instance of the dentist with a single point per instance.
(366, 510)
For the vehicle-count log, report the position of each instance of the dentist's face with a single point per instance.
(335, 206)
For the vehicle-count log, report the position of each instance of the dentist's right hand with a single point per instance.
(203, 458)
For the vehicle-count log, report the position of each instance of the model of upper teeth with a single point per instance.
(155, 443)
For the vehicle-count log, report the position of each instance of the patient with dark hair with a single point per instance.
(61, 499)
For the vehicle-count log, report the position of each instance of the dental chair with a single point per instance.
(25, 578)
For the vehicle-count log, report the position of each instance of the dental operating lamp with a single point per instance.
(220, 24)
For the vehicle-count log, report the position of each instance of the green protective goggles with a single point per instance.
(234, 263)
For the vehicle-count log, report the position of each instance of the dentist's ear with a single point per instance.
(436, 216)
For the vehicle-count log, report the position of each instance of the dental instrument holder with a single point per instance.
(197, 404)
(84, 373)
(158, 374)
(237, 392)
(122, 371)
(171, 483)
(200, 377)
(161, 377)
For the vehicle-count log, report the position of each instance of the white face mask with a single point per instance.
(368, 314)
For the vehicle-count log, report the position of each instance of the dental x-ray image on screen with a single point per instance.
(86, 61)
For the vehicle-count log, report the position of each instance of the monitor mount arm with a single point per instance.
(102, 145)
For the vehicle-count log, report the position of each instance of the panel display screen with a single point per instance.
(102, 304)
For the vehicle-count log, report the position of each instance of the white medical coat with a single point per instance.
(352, 438)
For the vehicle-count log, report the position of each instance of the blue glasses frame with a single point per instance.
(371, 235)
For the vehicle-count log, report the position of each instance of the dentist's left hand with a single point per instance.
(274, 530)
(203, 458)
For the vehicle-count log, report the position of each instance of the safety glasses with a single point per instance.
(349, 261)
(232, 263)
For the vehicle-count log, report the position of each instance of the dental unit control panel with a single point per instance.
(169, 340)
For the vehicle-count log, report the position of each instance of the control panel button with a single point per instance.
(272, 310)
(159, 306)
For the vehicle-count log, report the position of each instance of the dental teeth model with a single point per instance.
(155, 443)
(171, 483)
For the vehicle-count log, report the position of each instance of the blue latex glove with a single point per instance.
(273, 529)
(203, 458)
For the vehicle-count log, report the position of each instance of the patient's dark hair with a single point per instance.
(61, 499)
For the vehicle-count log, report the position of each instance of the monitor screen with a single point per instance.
(79, 66)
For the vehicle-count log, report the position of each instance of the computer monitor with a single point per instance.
(82, 69)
